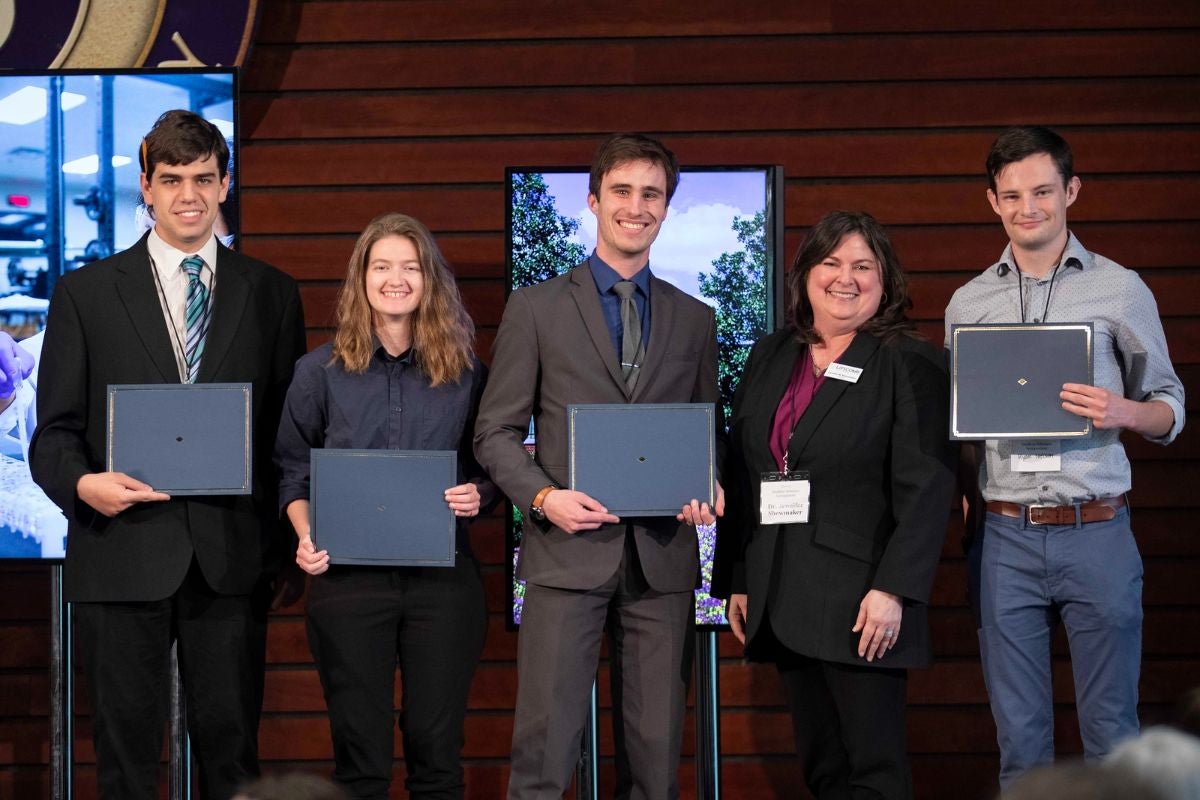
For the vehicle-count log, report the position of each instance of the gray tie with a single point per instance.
(632, 351)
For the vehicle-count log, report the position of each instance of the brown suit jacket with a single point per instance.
(554, 349)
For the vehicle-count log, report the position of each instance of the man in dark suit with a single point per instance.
(142, 569)
(559, 343)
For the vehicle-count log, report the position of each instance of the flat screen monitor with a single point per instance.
(721, 242)
(69, 195)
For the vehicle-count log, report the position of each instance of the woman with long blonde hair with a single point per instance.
(400, 374)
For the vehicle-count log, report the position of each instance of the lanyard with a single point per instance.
(810, 366)
(180, 353)
(1049, 290)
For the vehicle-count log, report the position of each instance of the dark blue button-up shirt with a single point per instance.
(610, 302)
(391, 406)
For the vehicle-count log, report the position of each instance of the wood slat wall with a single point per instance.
(353, 108)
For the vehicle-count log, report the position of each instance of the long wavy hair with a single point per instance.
(891, 318)
(442, 331)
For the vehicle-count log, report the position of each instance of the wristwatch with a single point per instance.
(535, 508)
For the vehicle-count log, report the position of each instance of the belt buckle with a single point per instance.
(1029, 513)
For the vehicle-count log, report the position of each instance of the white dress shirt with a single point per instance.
(172, 284)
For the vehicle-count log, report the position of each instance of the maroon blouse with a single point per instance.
(799, 393)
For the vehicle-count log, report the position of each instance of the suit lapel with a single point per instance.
(858, 354)
(229, 303)
(587, 299)
(662, 325)
(139, 294)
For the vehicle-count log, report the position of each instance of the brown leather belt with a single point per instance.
(1101, 510)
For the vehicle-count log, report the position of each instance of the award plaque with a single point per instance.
(643, 460)
(1005, 380)
(182, 439)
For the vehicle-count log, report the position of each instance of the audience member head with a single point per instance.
(1165, 759)
(1075, 780)
(290, 786)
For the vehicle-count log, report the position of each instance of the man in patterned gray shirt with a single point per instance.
(1055, 542)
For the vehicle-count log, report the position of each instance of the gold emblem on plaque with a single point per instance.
(1022, 381)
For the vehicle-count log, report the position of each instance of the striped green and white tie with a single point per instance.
(197, 313)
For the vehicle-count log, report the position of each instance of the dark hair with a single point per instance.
(181, 137)
(621, 148)
(891, 319)
(1023, 141)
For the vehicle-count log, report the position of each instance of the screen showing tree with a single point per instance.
(720, 242)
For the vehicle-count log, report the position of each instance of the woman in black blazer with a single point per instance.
(848, 403)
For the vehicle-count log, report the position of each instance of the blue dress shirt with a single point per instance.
(610, 302)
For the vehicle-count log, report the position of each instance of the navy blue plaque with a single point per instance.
(182, 439)
(644, 459)
(1006, 379)
(383, 507)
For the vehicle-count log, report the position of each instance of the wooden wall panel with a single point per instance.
(699, 60)
(473, 208)
(872, 106)
(816, 154)
(353, 108)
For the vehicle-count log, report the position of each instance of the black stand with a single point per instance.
(708, 718)
(62, 691)
(62, 707)
(708, 730)
(587, 771)
(179, 753)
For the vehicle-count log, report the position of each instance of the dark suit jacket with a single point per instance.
(553, 349)
(882, 472)
(106, 326)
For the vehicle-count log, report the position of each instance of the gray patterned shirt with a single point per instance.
(1131, 359)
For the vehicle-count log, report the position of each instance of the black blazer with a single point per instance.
(882, 471)
(106, 326)
(553, 349)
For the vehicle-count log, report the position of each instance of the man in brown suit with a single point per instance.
(559, 344)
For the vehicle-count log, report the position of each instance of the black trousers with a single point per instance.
(849, 726)
(125, 648)
(362, 621)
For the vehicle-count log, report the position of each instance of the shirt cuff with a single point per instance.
(1176, 409)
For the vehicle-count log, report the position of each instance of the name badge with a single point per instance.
(1036, 455)
(843, 372)
(783, 498)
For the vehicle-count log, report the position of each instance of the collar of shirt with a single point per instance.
(384, 356)
(167, 259)
(1074, 255)
(606, 277)
(610, 303)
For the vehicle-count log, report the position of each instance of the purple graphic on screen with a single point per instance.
(216, 34)
(32, 38)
